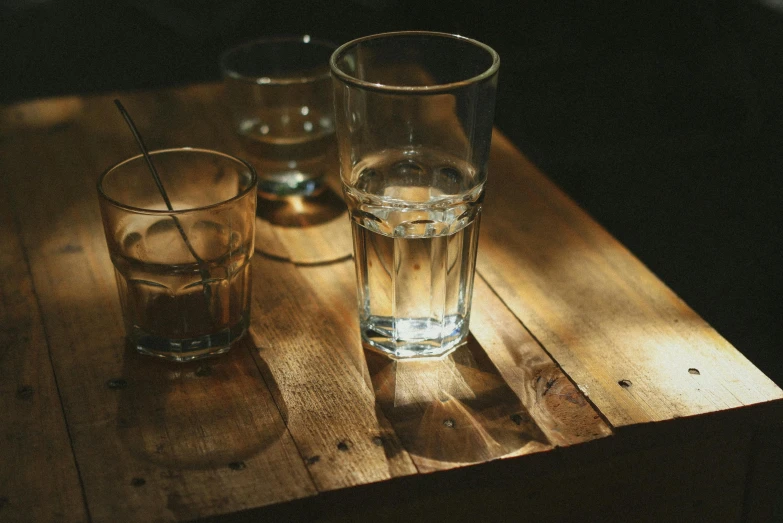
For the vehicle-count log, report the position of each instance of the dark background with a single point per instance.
(663, 121)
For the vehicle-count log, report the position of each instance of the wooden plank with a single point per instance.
(287, 229)
(153, 441)
(301, 244)
(554, 402)
(327, 405)
(454, 411)
(148, 419)
(499, 396)
(335, 284)
(629, 343)
(294, 228)
(33, 432)
(328, 408)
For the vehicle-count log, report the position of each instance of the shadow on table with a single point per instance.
(305, 230)
(192, 415)
(301, 211)
(457, 409)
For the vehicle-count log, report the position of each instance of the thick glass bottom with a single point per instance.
(407, 338)
(290, 183)
(188, 349)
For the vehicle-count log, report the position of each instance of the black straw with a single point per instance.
(203, 271)
(146, 154)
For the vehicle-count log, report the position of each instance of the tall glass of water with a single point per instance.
(414, 113)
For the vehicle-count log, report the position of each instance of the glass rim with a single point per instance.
(165, 212)
(304, 39)
(413, 89)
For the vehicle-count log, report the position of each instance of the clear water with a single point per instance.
(288, 147)
(415, 217)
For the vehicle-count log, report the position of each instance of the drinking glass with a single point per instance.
(183, 275)
(414, 113)
(280, 95)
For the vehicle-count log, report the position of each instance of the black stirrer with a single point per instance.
(201, 264)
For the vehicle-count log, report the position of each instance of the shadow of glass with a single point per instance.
(305, 230)
(301, 211)
(192, 415)
(457, 409)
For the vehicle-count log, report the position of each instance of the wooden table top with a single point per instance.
(586, 381)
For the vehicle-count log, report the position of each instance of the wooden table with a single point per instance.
(588, 391)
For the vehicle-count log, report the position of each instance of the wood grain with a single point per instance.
(33, 432)
(288, 229)
(453, 411)
(575, 346)
(554, 402)
(306, 230)
(152, 442)
(335, 284)
(305, 245)
(627, 341)
(328, 407)
(503, 393)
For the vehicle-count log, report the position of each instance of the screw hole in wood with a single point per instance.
(24, 392)
(117, 383)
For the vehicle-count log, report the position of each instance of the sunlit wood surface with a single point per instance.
(587, 389)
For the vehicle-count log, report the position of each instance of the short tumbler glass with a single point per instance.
(184, 275)
(414, 113)
(280, 96)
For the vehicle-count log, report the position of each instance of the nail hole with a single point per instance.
(343, 446)
(117, 383)
(312, 459)
(449, 423)
(237, 465)
(24, 392)
(71, 248)
(694, 371)
(138, 482)
(624, 383)
(519, 419)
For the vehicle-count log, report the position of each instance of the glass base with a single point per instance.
(289, 183)
(415, 338)
(187, 349)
